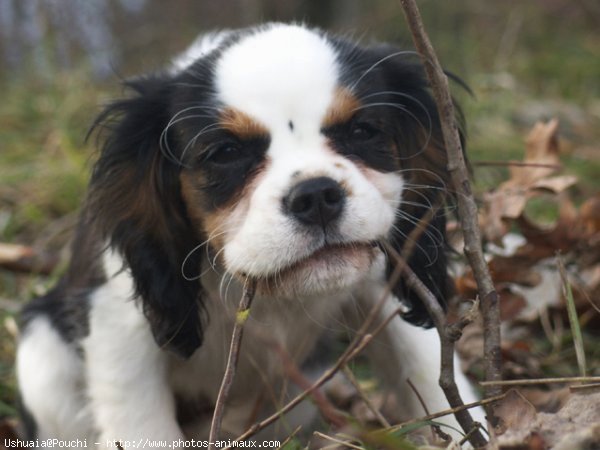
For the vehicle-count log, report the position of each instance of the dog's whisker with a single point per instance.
(354, 85)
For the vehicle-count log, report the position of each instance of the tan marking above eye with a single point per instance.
(241, 124)
(342, 108)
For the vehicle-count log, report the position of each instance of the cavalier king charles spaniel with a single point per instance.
(278, 154)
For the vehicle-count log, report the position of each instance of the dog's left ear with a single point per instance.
(420, 228)
(135, 201)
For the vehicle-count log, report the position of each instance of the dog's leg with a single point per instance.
(127, 372)
(50, 374)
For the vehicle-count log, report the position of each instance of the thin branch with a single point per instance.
(241, 316)
(293, 373)
(365, 398)
(434, 428)
(584, 387)
(467, 208)
(338, 442)
(290, 437)
(448, 335)
(446, 412)
(419, 396)
(541, 381)
(515, 164)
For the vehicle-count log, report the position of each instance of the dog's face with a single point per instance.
(291, 178)
(287, 155)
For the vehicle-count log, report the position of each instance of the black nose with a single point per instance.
(317, 201)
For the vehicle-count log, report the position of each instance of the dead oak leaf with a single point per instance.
(541, 161)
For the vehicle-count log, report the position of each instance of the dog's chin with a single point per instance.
(331, 269)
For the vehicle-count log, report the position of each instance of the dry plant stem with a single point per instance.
(584, 387)
(337, 442)
(447, 412)
(435, 429)
(365, 398)
(241, 316)
(515, 164)
(448, 335)
(467, 209)
(541, 381)
(573, 317)
(290, 437)
(291, 370)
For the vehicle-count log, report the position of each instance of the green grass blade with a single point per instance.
(573, 318)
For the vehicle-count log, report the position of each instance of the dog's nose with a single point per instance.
(317, 201)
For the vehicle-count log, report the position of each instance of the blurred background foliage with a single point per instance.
(61, 60)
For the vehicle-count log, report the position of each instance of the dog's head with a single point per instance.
(283, 153)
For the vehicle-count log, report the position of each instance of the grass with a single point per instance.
(43, 165)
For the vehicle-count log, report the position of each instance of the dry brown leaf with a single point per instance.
(516, 414)
(9, 253)
(590, 215)
(564, 236)
(555, 184)
(507, 203)
(20, 258)
(573, 427)
(541, 147)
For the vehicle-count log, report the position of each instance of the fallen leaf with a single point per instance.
(516, 414)
(541, 161)
(576, 426)
(589, 214)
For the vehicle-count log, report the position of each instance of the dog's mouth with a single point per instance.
(330, 253)
(329, 267)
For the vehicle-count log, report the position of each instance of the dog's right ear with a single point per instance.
(135, 201)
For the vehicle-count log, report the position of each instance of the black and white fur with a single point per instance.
(277, 153)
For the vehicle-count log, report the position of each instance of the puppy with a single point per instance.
(278, 154)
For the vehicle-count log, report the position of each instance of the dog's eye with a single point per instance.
(226, 153)
(362, 131)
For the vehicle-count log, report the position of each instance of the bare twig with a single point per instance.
(337, 442)
(290, 437)
(435, 429)
(585, 387)
(448, 335)
(541, 381)
(234, 352)
(516, 164)
(467, 209)
(446, 412)
(365, 398)
(292, 372)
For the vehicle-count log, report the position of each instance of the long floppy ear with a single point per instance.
(420, 229)
(135, 199)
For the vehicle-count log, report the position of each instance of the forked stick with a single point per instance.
(467, 209)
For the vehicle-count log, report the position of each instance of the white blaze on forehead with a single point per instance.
(279, 74)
